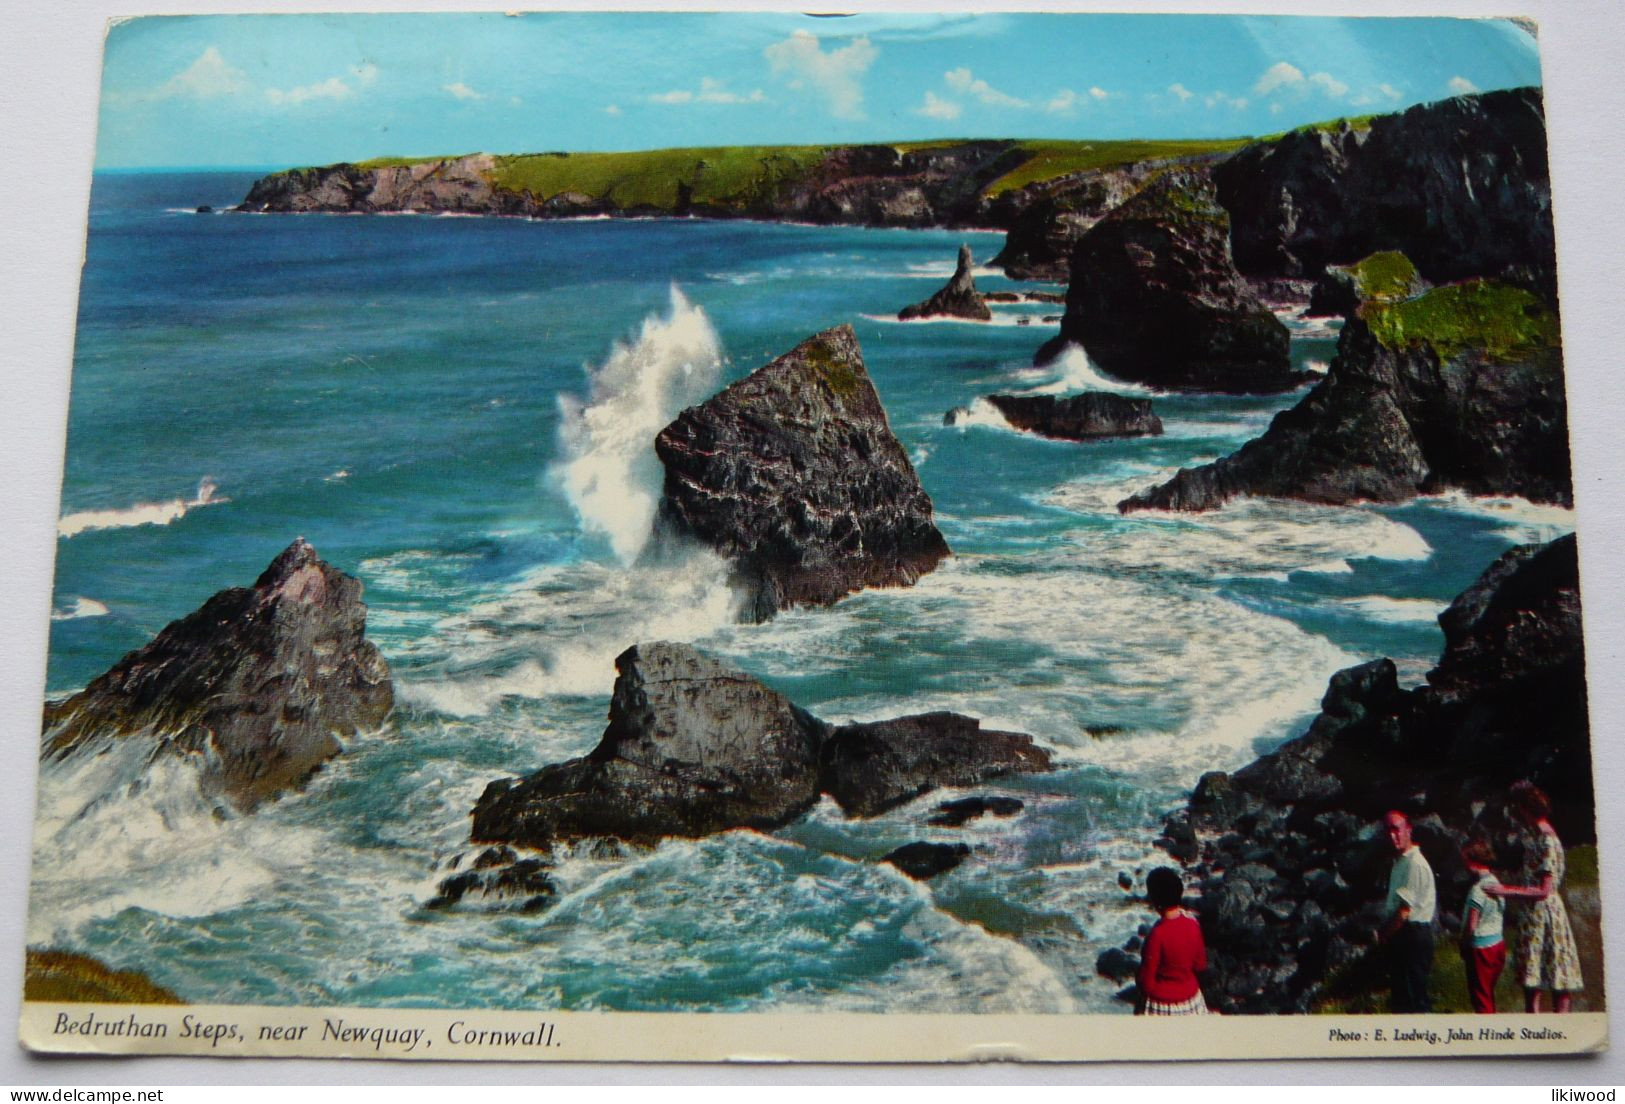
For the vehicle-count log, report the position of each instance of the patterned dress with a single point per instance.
(1546, 956)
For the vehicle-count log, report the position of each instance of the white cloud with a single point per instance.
(961, 80)
(935, 107)
(457, 90)
(1390, 91)
(1062, 103)
(330, 89)
(1280, 75)
(207, 78)
(711, 91)
(836, 75)
(1180, 92)
(1461, 86)
(1221, 99)
(1329, 84)
(612, 109)
(365, 73)
(1099, 93)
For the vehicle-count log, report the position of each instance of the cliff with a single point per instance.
(972, 184)
(1461, 187)
(794, 475)
(259, 684)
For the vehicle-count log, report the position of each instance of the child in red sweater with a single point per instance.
(1173, 952)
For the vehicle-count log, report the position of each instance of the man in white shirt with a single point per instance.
(1412, 902)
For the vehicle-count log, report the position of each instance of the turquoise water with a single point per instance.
(459, 412)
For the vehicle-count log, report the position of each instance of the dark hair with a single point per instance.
(1165, 887)
(1478, 852)
(1531, 799)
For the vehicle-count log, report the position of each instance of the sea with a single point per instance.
(460, 412)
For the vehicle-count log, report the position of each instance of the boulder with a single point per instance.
(955, 814)
(1461, 387)
(1092, 415)
(694, 747)
(260, 684)
(1387, 277)
(1155, 297)
(958, 298)
(869, 768)
(924, 861)
(793, 474)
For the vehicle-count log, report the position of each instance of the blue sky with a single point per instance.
(258, 91)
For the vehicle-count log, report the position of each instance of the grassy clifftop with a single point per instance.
(741, 176)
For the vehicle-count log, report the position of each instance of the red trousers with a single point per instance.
(1484, 966)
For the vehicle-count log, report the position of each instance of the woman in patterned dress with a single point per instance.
(1546, 956)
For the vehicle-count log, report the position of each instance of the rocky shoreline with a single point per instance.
(1287, 854)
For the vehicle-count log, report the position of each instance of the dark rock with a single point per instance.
(508, 881)
(694, 747)
(1001, 296)
(1083, 417)
(1155, 297)
(1124, 881)
(923, 861)
(1116, 964)
(956, 299)
(259, 684)
(794, 475)
(205, 209)
(868, 768)
(1460, 388)
(1041, 238)
(955, 814)
(1461, 187)
(1305, 862)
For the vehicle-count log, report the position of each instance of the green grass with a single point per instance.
(405, 162)
(1502, 322)
(1051, 159)
(721, 176)
(1386, 275)
(1580, 867)
(1355, 122)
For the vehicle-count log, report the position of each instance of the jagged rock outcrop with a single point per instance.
(1039, 240)
(1086, 417)
(258, 684)
(694, 747)
(794, 475)
(957, 298)
(1461, 187)
(1156, 299)
(1459, 388)
(1288, 850)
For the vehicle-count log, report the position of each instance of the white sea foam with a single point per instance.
(981, 413)
(79, 607)
(1000, 319)
(610, 472)
(117, 827)
(559, 631)
(1523, 522)
(1394, 611)
(1073, 371)
(142, 513)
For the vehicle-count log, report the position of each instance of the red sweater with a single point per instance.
(1173, 953)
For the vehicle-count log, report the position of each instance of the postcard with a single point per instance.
(756, 536)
